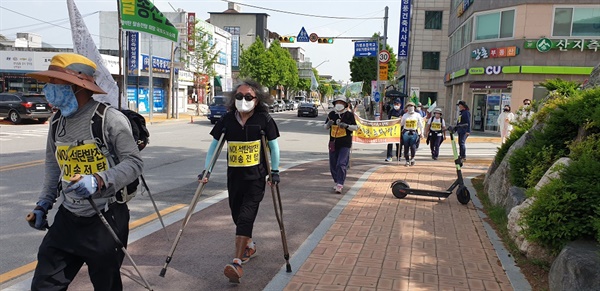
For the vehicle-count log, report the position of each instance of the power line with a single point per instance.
(55, 22)
(302, 14)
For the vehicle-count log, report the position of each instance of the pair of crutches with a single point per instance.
(192, 206)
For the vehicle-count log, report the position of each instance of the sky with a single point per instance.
(50, 19)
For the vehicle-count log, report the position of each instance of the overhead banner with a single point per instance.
(143, 16)
(377, 131)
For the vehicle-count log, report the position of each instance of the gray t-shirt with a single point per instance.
(77, 128)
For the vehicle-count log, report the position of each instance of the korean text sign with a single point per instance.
(143, 16)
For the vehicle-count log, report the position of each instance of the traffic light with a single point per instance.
(327, 40)
(207, 90)
(287, 39)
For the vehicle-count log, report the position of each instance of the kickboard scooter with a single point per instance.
(400, 188)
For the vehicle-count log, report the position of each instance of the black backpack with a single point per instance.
(141, 136)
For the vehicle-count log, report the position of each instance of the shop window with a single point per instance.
(576, 21)
(495, 25)
(433, 19)
(427, 98)
(461, 37)
(431, 61)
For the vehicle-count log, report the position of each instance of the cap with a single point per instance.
(73, 68)
(340, 98)
(461, 102)
(420, 104)
(397, 100)
(410, 104)
(438, 110)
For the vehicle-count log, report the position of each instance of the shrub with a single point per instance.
(566, 209)
(562, 87)
(587, 148)
(519, 129)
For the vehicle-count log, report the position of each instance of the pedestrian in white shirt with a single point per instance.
(505, 122)
(412, 130)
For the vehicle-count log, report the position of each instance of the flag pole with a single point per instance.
(121, 74)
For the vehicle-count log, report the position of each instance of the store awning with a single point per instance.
(491, 85)
(217, 81)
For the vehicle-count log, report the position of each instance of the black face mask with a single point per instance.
(506, 110)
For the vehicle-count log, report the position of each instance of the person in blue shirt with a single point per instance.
(394, 113)
(463, 127)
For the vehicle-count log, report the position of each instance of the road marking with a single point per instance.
(21, 165)
(31, 266)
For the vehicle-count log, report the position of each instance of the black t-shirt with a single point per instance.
(342, 137)
(245, 157)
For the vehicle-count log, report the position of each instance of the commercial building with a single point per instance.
(500, 51)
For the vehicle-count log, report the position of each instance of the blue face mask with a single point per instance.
(62, 97)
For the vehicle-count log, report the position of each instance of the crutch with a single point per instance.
(192, 206)
(277, 206)
(154, 204)
(146, 285)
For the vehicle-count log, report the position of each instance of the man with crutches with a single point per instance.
(78, 234)
(244, 125)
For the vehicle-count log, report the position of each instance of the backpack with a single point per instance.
(141, 136)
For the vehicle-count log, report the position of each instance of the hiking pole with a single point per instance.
(154, 204)
(76, 178)
(277, 206)
(188, 215)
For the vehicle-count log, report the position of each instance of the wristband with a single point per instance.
(274, 171)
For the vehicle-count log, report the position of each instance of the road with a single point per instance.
(172, 160)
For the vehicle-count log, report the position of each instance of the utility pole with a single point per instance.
(384, 42)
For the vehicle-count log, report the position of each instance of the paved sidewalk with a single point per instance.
(417, 243)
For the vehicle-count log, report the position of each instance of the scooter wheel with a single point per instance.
(463, 195)
(399, 189)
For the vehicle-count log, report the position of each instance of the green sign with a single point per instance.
(477, 71)
(546, 44)
(143, 16)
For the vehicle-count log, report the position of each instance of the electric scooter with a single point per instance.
(400, 188)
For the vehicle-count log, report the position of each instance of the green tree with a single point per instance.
(285, 71)
(203, 57)
(256, 63)
(365, 68)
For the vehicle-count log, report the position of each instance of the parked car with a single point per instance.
(274, 107)
(308, 109)
(282, 105)
(19, 106)
(217, 109)
(291, 105)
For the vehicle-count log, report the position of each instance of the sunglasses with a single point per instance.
(527, 103)
(247, 97)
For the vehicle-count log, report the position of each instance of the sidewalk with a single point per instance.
(418, 243)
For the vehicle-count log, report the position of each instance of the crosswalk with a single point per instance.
(27, 133)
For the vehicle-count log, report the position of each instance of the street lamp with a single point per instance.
(325, 61)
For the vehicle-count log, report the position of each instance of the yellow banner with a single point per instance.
(85, 159)
(377, 131)
(243, 153)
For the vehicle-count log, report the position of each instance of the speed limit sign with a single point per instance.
(384, 56)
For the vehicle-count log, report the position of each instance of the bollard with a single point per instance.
(191, 119)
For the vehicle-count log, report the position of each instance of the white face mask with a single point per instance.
(339, 107)
(244, 106)
(411, 109)
(397, 107)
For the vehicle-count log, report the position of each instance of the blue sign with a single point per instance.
(133, 44)
(235, 45)
(302, 36)
(365, 49)
(160, 65)
(404, 29)
(376, 96)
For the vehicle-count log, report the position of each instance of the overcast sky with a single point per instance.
(49, 18)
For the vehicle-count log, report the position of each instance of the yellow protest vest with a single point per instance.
(243, 153)
(83, 159)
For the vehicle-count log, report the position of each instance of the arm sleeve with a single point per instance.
(274, 146)
(52, 171)
(210, 153)
(326, 125)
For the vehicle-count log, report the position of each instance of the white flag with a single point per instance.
(314, 85)
(83, 44)
(432, 107)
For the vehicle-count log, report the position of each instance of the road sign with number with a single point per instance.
(383, 71)
(384, 56)
(313, 37)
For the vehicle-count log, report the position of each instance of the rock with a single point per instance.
(553, 172)
(577, 267)
(594, 79)
(516, 196)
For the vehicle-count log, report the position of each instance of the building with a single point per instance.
(244, 29)
(428, 50)
(500, 51)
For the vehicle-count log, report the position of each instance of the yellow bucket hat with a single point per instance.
(73, 68)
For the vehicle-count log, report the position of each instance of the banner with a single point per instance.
(143, 16)
(83, 44)
(133, 52)
(191, 31)
(377, 131)
(355, 89)
(404, 36)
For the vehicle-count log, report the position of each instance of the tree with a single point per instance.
(203, 57)
(365, 68)
(256, 63)
(285, 71)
